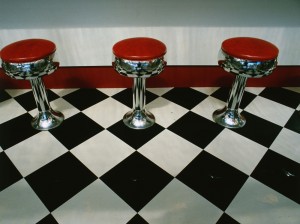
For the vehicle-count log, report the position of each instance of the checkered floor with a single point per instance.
(184, 169)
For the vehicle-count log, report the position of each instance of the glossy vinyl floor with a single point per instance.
(185, 169)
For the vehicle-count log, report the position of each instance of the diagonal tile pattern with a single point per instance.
(184, 169)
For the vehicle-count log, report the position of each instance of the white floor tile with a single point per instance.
(208, 106)
(98, 155)
(287, 143)
(206, 90)
(19, 204)
(17, 92)
(111, 91)
(159, 91)
(236, 150)
(63, 92)
(60, 105)
(35, 152)
(93, 205)
(165, 111)
(178, 204)
(295, 89)
(10, 109)
(107, 112)
(257, 203)
(170, 152)
(270, 110)
(64, 107)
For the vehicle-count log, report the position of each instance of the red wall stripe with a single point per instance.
(172, 76)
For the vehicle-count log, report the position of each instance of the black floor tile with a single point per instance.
(196, 129)
(214, 179)
(137, 219)
(223, 94)
(59, 180)
(16, 130)
(294, 122)
(48, 220)
(258, 129)
(84, 98)
(8, 172)
(75, 130)
(126, 97)
(4, 95)
(226, 219)
(185, 97)
(283, 96)
(136, 180)
(280, 174)
(27, 101)
(134, 138)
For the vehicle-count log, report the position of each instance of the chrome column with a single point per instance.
(139, 117)
(46, 118)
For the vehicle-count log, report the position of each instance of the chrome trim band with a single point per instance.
(30, 70)
(246, 68)
(139, 69)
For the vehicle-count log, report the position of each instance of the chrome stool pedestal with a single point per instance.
(244, 57)
(30, 60)
(229, 116)
(46, 118)
(139, 117)
(139, 58)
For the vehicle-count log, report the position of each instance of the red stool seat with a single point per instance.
(27, 50)
(246, 57)
(139, 49)
(249, 48)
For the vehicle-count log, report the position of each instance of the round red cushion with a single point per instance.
(139, 49)
(27, 50)
(249, 48)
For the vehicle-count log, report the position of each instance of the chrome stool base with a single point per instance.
(229, 118)
(139, 119)
(47, 120)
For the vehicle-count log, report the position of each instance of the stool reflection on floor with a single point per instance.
(139, 58)
(30, 60)
(245, 57)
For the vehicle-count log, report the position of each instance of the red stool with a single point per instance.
(30, 60)
(139, 58)
(245, 57)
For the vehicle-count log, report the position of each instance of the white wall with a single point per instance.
(84, 31)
